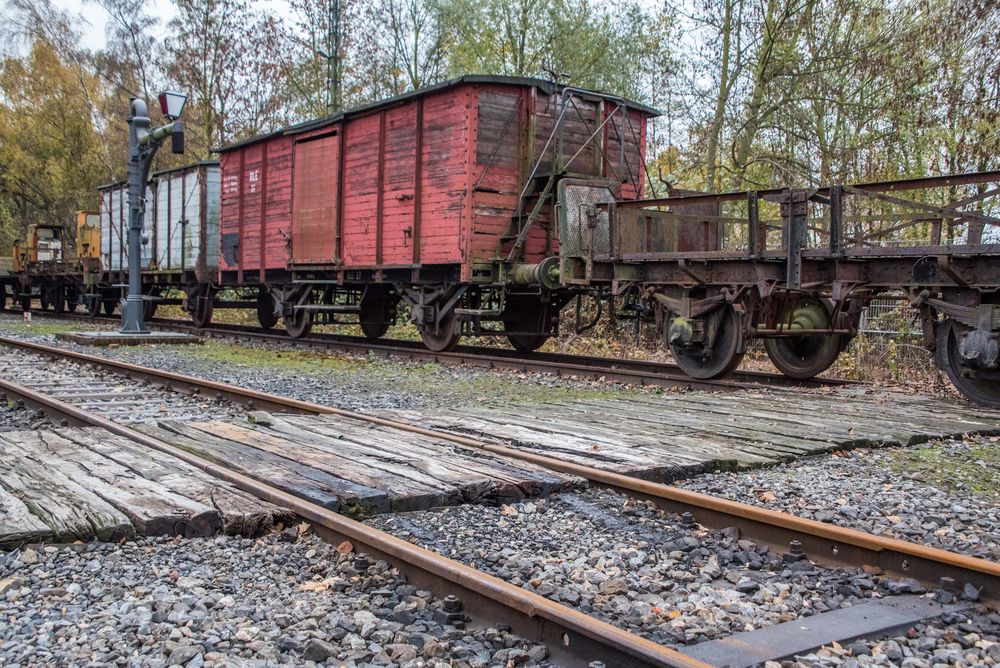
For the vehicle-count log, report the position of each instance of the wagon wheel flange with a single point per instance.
(376, 314)
(979, 386)
(265, 309)
(446, 337)
(519, 319)
(299, 323)
(201, 306)
(806, 355)
(720, 352)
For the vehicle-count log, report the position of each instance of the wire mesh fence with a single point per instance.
(890, 316)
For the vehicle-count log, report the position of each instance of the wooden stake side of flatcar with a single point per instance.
(716, 272)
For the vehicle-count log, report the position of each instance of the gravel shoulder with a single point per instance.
(280, 600)
(944, 494)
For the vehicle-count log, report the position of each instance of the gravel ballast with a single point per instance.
(645, 570)
(885, 492)
(230, 602)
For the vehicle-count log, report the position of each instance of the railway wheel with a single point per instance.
(149, 305)
(56, 297)
(703, 359)
(200, 306)
(805, 355)
(109, 306)
(265, 309)
(981, 386)
(521, 323)
(299, 323)
(446, 337)
(3, 297)
(376, 314)
(92, 301)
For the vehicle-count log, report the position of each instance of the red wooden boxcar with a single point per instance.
(447, 198)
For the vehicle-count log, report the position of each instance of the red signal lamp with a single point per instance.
(172, 104)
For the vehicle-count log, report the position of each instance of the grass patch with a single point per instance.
(295, 360)
(42, 328)
(973, 467)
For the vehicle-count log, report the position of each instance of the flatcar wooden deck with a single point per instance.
(70, 484)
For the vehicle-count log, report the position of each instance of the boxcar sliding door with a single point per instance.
(315, 226)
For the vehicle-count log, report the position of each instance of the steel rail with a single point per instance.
(824, 543)
(631, 372)
(573, 638)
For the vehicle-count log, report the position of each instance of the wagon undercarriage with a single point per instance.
(715, 279)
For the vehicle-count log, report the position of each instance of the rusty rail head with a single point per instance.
(572, 636)
(826, 543)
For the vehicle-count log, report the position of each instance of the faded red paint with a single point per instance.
(432, 179)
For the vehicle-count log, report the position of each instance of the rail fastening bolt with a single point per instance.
(361, 563)
(63, 423)
(452, 604)
(19, 404)
(39, 413)
(795, 552)
(687, 519)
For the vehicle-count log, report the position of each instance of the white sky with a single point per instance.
(95, 18)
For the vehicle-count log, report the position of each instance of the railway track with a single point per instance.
(575, 638)
(632, 372)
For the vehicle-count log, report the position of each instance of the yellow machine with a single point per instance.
(88, 234)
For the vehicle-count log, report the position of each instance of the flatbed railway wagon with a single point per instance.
(180, 243)
(796, 266)
(446, 199)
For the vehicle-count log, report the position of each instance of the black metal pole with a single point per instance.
(142, 146)
(139, 157)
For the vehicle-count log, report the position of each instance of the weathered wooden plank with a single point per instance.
(18, 525)
(415, 472)
(71, 511)
(501, 478)
(303, 481)
(239, 513)
(150, 507)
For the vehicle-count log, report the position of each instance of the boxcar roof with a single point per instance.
(314, 124)
(200, 163)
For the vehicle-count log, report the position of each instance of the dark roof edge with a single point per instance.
(306, 126)
(200, 163)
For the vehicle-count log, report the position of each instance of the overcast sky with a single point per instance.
(96, 18)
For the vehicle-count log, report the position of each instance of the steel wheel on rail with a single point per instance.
(57, 297)
(201, 305)
(725, 353)
(806, 355)
(149, 305)
(265, 309)
(109, 306)
(979, 386)
(446, 336)
(376, 313)
(299, 323)
(521, 322)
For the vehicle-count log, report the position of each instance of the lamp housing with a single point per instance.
(172, 104)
